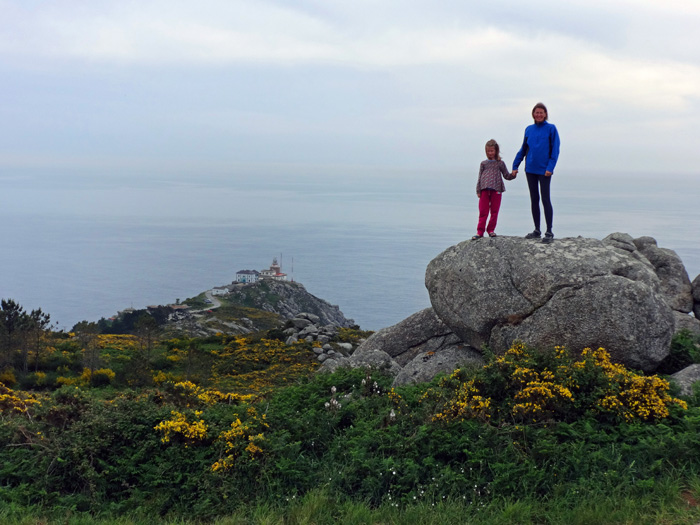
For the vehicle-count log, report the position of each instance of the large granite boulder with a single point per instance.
(414, 350)
(695, 287)
(675, 284)
(575, 292)
(420, 333)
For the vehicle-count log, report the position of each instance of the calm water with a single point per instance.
(84, 247)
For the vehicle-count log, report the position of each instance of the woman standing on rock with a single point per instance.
(540, 150)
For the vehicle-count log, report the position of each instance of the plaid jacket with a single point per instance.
(490, 176)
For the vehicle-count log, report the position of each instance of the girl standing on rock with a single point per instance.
(541, 150)
(489, 187)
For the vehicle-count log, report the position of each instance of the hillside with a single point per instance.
(248, 308)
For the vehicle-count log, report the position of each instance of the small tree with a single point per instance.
(147, 331)
(86, 333)
(37, 323)
(12, 321)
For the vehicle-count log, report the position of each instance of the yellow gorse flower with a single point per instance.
(539, 394)
(190, 432)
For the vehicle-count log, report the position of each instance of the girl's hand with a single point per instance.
(478, 194)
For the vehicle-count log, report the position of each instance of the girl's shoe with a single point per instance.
(477, 237)
(492, 234)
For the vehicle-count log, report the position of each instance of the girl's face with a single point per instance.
(539, 115)
(490, 153)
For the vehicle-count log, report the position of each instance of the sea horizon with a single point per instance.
(83, 248)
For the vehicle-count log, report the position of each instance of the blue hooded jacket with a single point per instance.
(540, 149)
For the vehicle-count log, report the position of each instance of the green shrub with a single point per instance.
(683, 353)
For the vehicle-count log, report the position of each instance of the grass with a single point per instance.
(668, 504)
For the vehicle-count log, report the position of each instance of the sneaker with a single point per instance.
(534, 235)
(548, 238)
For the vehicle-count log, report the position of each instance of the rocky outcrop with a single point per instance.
(575, 292)
(624, 294)
(414, 350)
(420, 333)
(674, 282)
(308, 327)
(288, 299)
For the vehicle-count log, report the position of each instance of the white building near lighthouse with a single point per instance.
(247, 276)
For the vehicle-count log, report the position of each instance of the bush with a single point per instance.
(527, 386)
(684, 352)
(7, 377)
(186, 449)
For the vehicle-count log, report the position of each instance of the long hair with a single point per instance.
(493, 144)
(540, 106)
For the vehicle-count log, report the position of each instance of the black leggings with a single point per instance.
(535, 192)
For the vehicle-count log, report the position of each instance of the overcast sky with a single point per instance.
(234, 86)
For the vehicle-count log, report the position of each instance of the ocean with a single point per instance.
(84, 246)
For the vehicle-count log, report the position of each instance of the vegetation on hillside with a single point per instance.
(124, 425)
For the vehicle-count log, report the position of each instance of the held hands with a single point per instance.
(514, 173)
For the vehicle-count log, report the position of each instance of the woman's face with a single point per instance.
(539, 115)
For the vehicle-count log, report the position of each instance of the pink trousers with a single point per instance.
(490, 201)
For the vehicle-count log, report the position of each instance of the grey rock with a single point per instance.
(309, 330)
(318, 351)
(309, 339)
(345, 346)
(315, 319)
(686, 377)
(322, 357)
(425, 366)
(695, 287)
(329, 330)
(291, 340)
(331, 365)
(322, 339)
(686, 322)
(575, 292)
(675, 284)
(290, 331)
(375, 359)
(420, 333)
(327, 347)
(300, 323)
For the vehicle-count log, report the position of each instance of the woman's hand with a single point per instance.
(547, 173)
